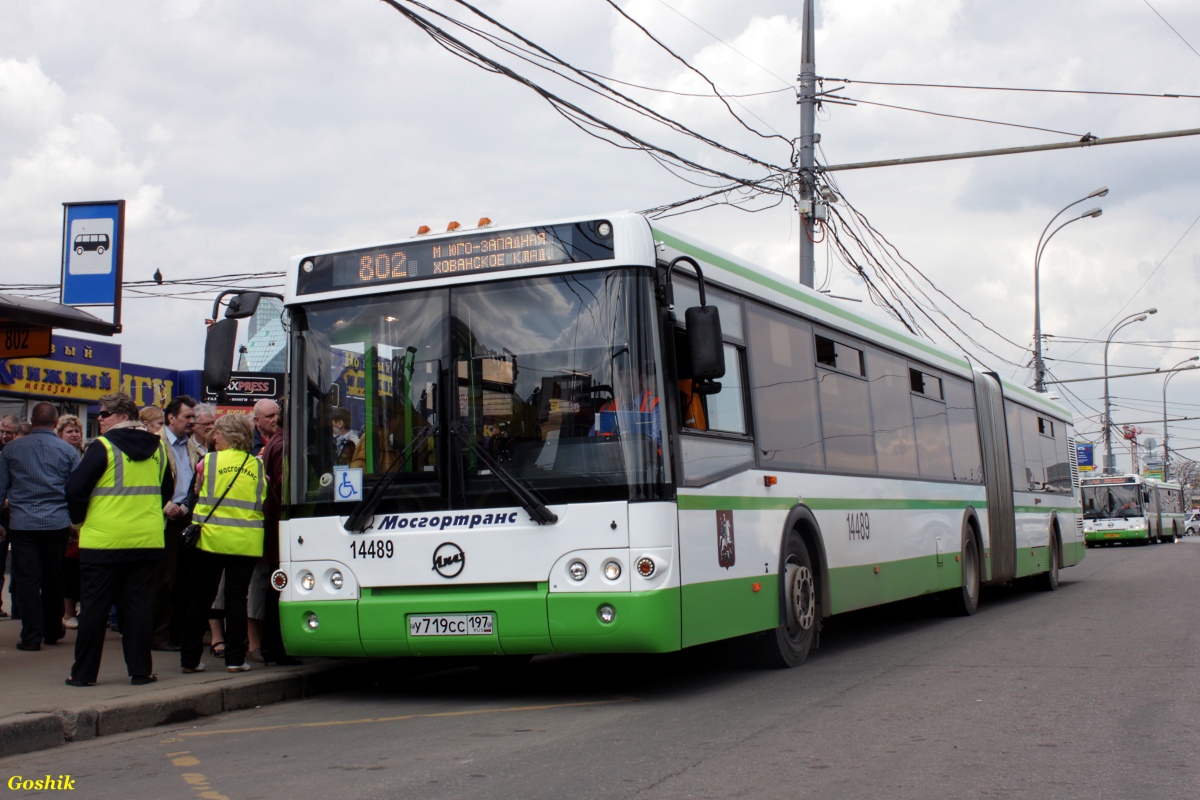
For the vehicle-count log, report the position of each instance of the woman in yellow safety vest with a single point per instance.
(229, 492)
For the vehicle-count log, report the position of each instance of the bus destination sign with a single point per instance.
(469, 253)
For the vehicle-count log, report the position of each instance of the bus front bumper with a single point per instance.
(527, 619)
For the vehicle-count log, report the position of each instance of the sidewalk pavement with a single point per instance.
(38, 710)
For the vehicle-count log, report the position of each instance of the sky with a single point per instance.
(242, 134)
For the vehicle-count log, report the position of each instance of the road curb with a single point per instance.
(32, 731)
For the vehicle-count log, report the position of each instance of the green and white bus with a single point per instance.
(1131, 508)
(596, 435)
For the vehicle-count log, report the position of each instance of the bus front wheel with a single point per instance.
(788, 645)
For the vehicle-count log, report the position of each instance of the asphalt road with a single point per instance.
(1088, 692)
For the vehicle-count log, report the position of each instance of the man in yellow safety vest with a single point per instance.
(117, 494)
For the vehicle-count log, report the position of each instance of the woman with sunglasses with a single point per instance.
(116, 497)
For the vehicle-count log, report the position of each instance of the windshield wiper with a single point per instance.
(362, 515)
(538, 511)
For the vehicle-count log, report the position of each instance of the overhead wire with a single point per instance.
(1163, 95)
(861, 101)
(1135, 293)
(1172, 27)
(683, 61)
(586, 121)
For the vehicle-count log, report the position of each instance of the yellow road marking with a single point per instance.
(434, 715)
(195, 780)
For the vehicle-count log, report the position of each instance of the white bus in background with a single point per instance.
(573, 442)
(1131, 508)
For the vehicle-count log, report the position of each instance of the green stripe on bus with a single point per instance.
(882, 582)
(699, 502)
(1045, 509)
(723, 609)
(1032, 561)
(795, 294)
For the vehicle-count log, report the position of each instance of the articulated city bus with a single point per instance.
(596, 435)
(1131, 508)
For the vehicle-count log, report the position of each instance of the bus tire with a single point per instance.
(789, 644)
(100, 250)
(1174, 537)
(965, 599)
(1048, 580)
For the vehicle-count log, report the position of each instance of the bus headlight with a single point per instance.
(307, 581)
(577, 570)
(612, 570)
(336, 580)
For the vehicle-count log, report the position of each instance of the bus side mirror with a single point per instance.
(243, 305)
(706, 348)
(218, 353)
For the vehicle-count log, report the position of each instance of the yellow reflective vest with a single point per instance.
(236, 526)
(125, 510)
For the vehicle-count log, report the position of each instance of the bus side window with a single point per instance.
(723, 411)
(691, 404)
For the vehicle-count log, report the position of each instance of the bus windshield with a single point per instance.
(551, 382)
(1112, 502)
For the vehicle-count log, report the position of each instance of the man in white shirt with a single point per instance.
(171, 577)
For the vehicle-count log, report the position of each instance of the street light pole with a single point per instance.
(1039, 366)
(1109, 466)
(1175, 370)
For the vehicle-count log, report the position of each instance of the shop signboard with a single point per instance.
(76, 369)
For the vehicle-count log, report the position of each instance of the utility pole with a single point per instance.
(808, 143)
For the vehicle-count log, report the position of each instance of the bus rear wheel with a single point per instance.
(789, 644)
(1049, 580)
(966, 598)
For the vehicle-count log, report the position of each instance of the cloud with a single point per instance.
(243, 133)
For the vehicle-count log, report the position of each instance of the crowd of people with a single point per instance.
(96, 534)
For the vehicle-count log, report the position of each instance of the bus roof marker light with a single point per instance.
(606, 613)
(485, 222)
(307, 265)
(424, 229)
(453, 226)
(604, 229)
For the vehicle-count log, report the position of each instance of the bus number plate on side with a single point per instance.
(451, 625)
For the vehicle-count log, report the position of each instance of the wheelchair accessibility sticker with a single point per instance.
(347, 484)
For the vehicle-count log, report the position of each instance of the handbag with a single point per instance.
(190, 537)
(191, 534)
